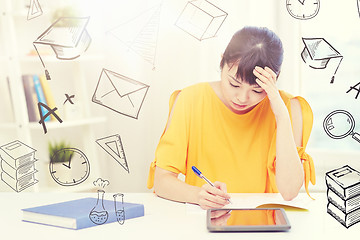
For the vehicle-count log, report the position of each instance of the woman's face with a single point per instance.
(237, 95)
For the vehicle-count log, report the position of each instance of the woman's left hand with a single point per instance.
(266, 78)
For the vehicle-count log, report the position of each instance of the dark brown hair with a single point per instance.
(250, 47)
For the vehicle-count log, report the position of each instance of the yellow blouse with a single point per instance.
(238, 150)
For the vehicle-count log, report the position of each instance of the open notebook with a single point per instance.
(270, 200)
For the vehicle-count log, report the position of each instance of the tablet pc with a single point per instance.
(247, 220)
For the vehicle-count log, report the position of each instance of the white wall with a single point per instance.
(181, 60)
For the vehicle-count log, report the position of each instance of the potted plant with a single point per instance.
(60, 157)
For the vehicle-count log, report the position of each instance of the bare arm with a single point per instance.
(167, 185)
(289, 170)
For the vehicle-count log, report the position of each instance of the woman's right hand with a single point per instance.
(213, 197)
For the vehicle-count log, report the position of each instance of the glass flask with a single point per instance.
(98, 214)
(119, 208)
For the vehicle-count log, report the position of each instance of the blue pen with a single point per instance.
(198, 173)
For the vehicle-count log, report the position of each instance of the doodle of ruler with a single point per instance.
(140, 33)
(113, 146)
(34, 10)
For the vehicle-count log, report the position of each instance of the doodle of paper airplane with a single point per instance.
(119, 93)
(67, 37)
(318, 52)
(113, 146)
(140, 33)
(34, 10)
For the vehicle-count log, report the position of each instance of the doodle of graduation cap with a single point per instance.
(120, 93)
(318, 52)
(67, 37)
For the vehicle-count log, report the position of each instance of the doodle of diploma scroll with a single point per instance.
(67, 37)
(318, 52)
(119, 93)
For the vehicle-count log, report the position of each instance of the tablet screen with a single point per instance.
(247, 220)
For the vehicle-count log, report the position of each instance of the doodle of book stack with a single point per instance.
(18, 165)
(344, 195)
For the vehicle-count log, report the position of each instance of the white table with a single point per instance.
(163, 219)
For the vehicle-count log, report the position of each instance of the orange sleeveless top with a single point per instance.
(239, 150)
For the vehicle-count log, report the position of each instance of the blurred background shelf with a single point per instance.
(67, 124)
(78, 124)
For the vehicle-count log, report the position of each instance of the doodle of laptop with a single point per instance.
(120, 93)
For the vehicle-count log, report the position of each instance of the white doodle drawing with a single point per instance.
(340, 124)
(18, 165)
(34, 10)
(140, 34)
(201, 19)
(44, 112)
(318, 52)
(344, 195)
(119, 208)
(101, 183)
(120, 93)
(303, 9)
(74, 169)
(67, 37)
(356, 88)
(99, 215)
(113, 146)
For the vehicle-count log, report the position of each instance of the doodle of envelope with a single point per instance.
(120, 93)
(67, 37)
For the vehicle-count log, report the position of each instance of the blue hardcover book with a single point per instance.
(40, 95)
(82, 213)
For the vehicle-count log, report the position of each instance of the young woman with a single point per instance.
(242, 132)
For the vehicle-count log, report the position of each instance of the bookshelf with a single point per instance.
(15, 62)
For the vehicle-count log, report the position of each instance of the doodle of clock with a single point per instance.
(303, 9)
(72, 170)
